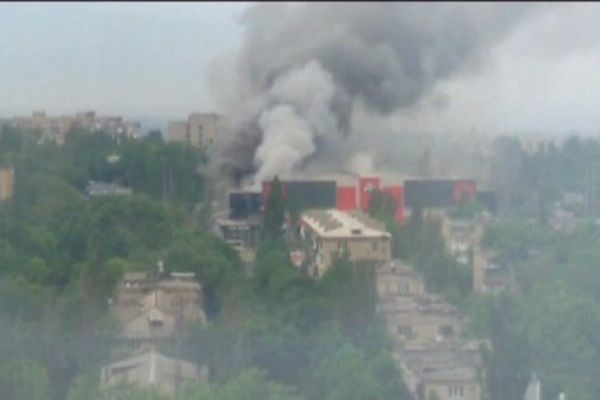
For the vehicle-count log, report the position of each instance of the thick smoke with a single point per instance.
(304, 68)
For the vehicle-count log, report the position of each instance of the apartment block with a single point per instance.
(200, 129)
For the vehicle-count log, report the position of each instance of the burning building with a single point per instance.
(305, 194)
(438, 193)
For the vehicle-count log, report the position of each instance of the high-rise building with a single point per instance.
(200, 129)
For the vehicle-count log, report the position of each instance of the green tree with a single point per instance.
(382, 205)
(274, 211)
(24, 379)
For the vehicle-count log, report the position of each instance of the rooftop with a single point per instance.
(103, 189)
(338, 224)
(396, 267)
(443, 364)
(151, 369)
(424, 306)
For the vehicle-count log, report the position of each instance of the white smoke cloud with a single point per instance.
(362, 164)
(287, 139)
(302, 100)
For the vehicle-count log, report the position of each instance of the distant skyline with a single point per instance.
(149, 60)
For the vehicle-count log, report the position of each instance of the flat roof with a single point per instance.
(334, 223)
(442, 364)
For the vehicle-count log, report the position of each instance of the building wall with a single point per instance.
(398, 194)
(177, 131)
(365, 186)
(202, 129)
(346, 198)
(305, 194)
(464, 189)
(417, 328)
(462, 237)
(400, 285)
(55, 128)
(470, 390)
(479, 264)
(7, 182)
(359, 249)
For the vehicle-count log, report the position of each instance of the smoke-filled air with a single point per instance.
(303, 69)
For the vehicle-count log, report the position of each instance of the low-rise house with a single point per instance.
(152, 369)
(331, 233)
(244, 233)
(488, 275)
(151, 307)
(422, 320)
(462, 236)
(448, 373)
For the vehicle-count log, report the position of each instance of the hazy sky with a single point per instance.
(140, 59)
(149, 60)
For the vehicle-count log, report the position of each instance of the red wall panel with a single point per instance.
(365, 186)
(397, 193)
(464, 188)
(346, 198)
(266, 190)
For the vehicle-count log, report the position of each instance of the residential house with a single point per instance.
(151, 308)
(462, 236)
(422, 320)
(450, 373)
(394, 279)
(489, 276)
(331, 233)
(152, 369)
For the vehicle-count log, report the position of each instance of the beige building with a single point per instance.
(200, 129)
(150, 308)
(489, 276)
(56, 128)
(329, 234)
(152, 369)
(396, 279)
(450, 373)
(422, 321)
(462, 236)
(427, 338)
(177, 131)
(7, 182)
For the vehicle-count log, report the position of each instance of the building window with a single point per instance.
(404, 289)
(404, 331)
(455, 392)
(446, 330)
(375, 246)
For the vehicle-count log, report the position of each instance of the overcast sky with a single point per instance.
(149, 60)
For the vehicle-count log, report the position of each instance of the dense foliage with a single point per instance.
(273, 335)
